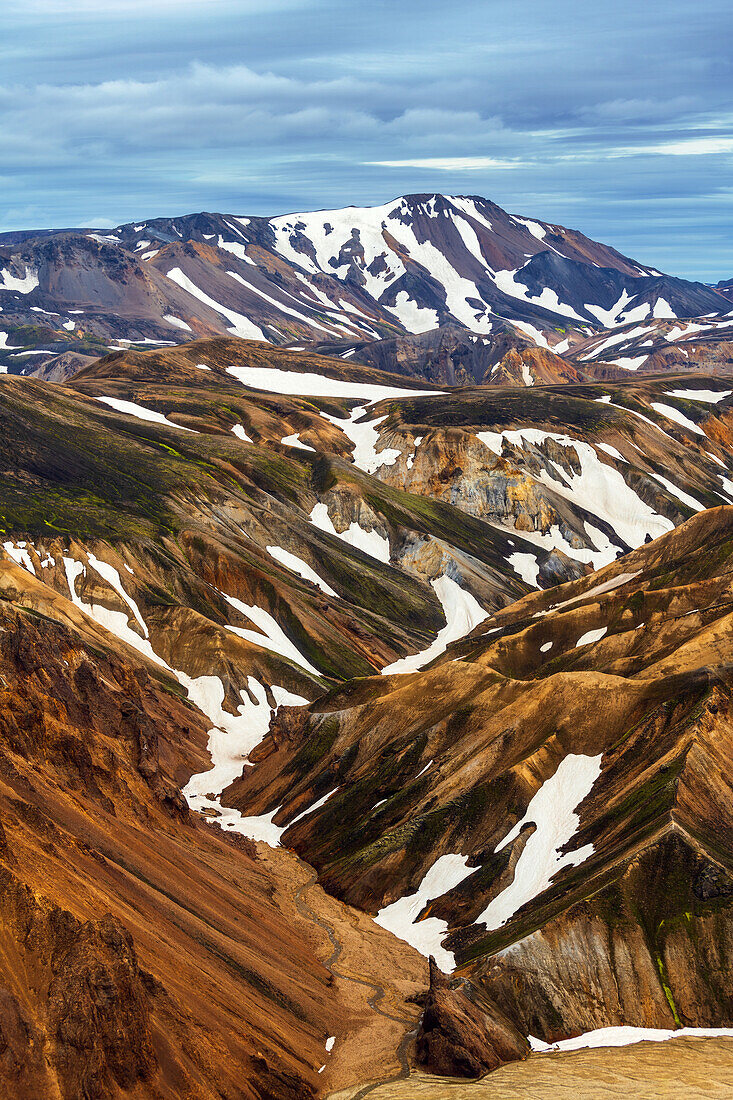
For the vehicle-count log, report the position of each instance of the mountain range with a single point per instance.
(356, 282)
(366, 678)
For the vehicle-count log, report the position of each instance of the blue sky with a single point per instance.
(612, 117)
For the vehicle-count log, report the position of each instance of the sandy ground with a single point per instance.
(681, 1069)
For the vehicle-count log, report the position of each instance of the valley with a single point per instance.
(365, 659)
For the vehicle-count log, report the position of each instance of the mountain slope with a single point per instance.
(208, 542)
(488, 817)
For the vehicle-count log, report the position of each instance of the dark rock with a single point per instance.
(460, 1038)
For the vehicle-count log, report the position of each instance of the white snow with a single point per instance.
(712, 396)
(273, 637)
(69, 325)
(300, 383)
(607, 317)
(231, 739)
(534, 228)
(329, 1043)
(611, 451)
(538, 337)
(237, 249)
(462, 613)
(591, 636)
(312, 809)
(112, 578)
(297, 565)
(548, 299)
(117, 622)
(22, 285)
(177, 322)
(238, 430)
(369, 542)
(415, 444)
(294, 441)
(612, 341)
(545, 647)
(598, 488)
(20, 555)
(629, 362)
(690, 501)
(663, 309)
(527, 566)
(364, 435)
(141, 413)
(241, 326)
(411, 316)
(281, 305)
(626, 1036)
(675, 415)
(638, 313)
(426, 936)
(598, 589)
(622, 408)
(233, 736)
(381, 265)
(551, 811)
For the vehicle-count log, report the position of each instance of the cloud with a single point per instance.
(112, 8)
(447, 164)
(133, 108)
(687, 147)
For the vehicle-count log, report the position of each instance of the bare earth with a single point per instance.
(681, 1069)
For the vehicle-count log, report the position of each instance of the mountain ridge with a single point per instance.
(357, 274)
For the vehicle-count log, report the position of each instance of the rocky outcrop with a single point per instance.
(458, 1038)
(84, 1026)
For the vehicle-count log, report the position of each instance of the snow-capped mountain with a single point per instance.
(349, 276)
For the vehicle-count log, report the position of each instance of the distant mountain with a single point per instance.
(725, 287)
(351, 276)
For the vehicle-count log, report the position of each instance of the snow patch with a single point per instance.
(626, 1036)
(238, 430)
(272, 636)
(141, 413)
(294, 441)
(551, 810)
(462, 613)
(369, 542)
(241, 326)
(297, 565)
(675, 415)
(426, 936)
(527, 566)
(22, 285)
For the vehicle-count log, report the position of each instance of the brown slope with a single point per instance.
(144, 953)
(446, 760)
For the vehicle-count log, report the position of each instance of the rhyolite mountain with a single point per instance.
(258, 602)
(340, 279)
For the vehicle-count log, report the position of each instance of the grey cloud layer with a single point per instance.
(619, 122)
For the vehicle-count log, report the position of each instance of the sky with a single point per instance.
(610, 116)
